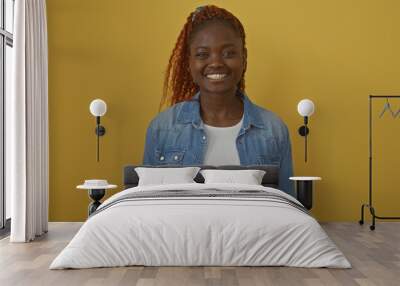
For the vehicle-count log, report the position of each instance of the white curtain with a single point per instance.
(27, 124)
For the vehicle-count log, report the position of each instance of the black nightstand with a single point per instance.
(96, 190)
(304, 190)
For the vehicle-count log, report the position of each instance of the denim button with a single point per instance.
(204, 137)
(176, 158)
(162, 158)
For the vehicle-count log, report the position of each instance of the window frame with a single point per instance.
(6, 39)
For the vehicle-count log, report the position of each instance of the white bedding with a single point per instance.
(200, 231)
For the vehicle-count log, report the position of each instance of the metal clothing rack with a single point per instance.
(370, 205)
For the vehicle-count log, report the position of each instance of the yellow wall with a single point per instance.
(333, 52)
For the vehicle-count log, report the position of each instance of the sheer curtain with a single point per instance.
(27, 124)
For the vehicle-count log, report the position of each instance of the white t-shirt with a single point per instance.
(221, 145)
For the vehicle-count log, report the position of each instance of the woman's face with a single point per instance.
(216, 58)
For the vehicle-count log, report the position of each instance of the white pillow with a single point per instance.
(163, 176)
(248, 177)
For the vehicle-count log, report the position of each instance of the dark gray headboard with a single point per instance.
(270, 179)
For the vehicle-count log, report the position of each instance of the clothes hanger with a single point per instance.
(387, 107)
(397, 113)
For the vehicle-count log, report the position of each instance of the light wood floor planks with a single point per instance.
(375, 257)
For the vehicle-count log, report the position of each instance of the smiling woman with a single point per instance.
(211, 120)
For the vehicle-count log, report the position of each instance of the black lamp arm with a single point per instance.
(303, 131)
(100, 131)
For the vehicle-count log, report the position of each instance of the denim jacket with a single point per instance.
(177, 137)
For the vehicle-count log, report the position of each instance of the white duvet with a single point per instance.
(200, 231)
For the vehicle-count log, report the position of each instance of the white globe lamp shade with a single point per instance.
(98, 107)
(305, 107)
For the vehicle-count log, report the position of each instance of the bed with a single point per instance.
(201, 224)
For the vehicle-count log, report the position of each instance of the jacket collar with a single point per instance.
(190, 113)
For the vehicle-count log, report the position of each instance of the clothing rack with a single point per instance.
(370, 203)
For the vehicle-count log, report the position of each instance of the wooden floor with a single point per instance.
(375, 257)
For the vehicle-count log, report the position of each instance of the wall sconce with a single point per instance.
(305, 109)
(98, 108)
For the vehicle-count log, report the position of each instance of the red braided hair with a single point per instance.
(178, 82)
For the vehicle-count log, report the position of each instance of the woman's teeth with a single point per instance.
(216, 76)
